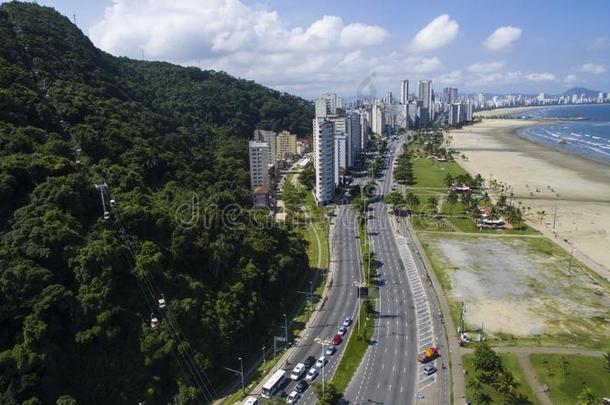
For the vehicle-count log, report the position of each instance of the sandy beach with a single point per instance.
(548, 180)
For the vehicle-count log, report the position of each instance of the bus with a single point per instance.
(273, 384)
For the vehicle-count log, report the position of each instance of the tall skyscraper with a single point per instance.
(341, 155)
(324, 159)
(327, 104)
(286, 145)
(404, 92)
(425, 93)
(377, 119)
(449, 95)
(354, 132)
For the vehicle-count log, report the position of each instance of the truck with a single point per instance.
(427, 355)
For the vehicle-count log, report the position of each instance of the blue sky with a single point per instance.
(309, 47)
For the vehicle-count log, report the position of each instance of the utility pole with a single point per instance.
(239, 372)
(264, 360)
(286, 328)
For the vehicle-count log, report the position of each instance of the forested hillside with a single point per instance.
(74, 313)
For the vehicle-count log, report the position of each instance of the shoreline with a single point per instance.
(520, 109)
(546, 179)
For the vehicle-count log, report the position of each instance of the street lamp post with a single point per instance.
(241, 367)
(324, 343)
(286, 328)
(264, 360)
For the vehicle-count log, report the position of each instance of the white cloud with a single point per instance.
(600, 43)
(485, 67)
(502, 38)
(540, 77)
(450, 78)
(438, 33)
(244, 41)
(592, 68)
(571, 79)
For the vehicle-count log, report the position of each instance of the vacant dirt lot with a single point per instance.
(520, 286)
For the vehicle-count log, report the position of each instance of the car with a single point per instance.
(337, 340)
(321, 362)
(347, 321)
(309, 361)
(330, 350)
(429, 370)
(281, 394)
(311, 374)
(342, 330)
(293, 397)
(297, 371)
(301, 386)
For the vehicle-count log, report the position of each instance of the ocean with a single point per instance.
(589, 136)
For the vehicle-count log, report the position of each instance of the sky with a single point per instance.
(314, 46)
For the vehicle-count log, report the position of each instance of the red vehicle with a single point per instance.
(337, 339)
(427, 355)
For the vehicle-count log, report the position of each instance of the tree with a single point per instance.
(433, 203)
(448, 180)
(586, 397)
(607, 359)
(308, 176)
(452, 199)
(506, 385)
(412, 201)
(331, 395)
(486, 359)
(477, 387)
(395, 199)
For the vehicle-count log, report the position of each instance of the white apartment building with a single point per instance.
(268, 137)
(404, 92)
(377, 119)
(324, 159)
(341, 155)
(260, 181)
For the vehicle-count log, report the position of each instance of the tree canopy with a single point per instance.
(170, 142)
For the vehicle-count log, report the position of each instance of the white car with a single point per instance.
(321, 362)
(311, 374)
(347, 321)
(342, 330)
(293, 397)
(297, 371)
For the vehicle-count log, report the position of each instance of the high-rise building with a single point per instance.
(377, 119)
(268, 137)
(425, 93)
(449, 95)
(324, 159)
(469, 110)
(327, 104)
(404, 92)
(286, 146)
(341, 155)
(481, 100)
(364, 129)
(259, 172)
(354, 131)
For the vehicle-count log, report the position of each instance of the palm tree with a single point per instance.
(586, 397)
(506, 385)
(452, 199)
(433, 203)
(607, 358)
(477, 387)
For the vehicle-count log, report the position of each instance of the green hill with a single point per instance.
(77, 291)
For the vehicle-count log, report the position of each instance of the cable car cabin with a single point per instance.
(162, 302)
(112, 202)
(106, 215)
(154, 321)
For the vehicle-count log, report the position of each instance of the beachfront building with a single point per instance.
(324, 159)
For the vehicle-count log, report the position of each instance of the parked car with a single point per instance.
(337, 340)
(347, 321)
(342, 330)
(429, 370)
(330, 350)
(321, 362)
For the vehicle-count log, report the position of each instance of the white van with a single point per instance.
(297, 372)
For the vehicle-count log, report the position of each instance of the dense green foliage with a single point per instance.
(74, 321)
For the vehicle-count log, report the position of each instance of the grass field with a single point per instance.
(431, 174)
(511, 363)
(521, 290)
(568, 375)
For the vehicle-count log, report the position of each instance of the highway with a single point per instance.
(389, 373)
(341, 299)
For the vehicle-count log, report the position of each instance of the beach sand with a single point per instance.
(545, 179)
